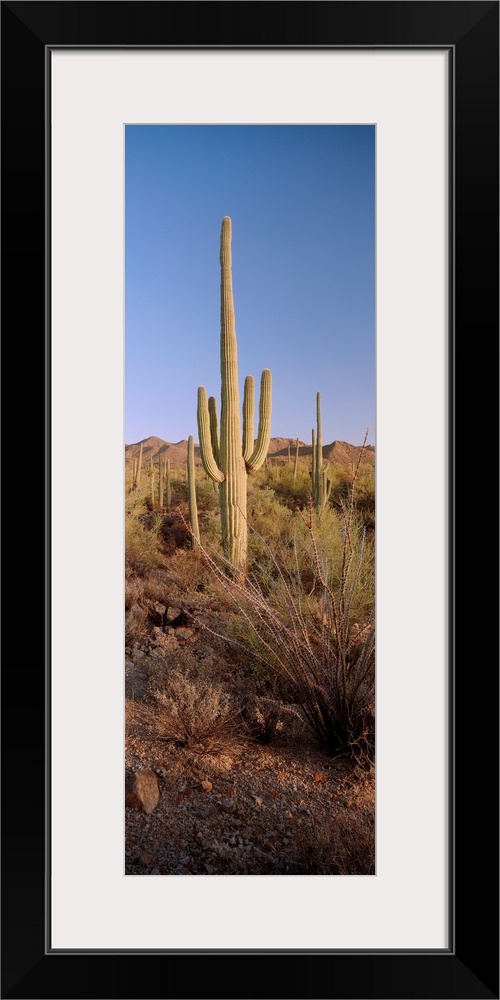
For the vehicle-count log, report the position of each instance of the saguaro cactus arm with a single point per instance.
(214, 427)
(204, 430)
(248, 411)
(264, 433)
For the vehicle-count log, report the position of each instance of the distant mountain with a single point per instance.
(338, 452)
(154, 446)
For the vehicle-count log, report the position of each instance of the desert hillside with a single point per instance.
(338, 452)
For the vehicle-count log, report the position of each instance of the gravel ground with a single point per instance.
(232, 806)
(284, 808)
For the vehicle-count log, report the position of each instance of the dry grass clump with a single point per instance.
(191, 712)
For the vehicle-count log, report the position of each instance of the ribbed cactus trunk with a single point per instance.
(313, 464)
(233, 489)
(162, 479)
(139, 465)
(193, 508)
(230, 458)
(134, 473)
(168, 486)
(321, 485)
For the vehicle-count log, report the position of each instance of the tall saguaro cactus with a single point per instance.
(230, 457)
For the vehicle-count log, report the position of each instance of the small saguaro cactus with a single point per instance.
(161, 482)
(229, 457)
(191, 475)
(152, 474)
(296, 462)
(168, 485)
(139, 466)
(321, 485)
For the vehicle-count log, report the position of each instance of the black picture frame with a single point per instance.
(469, 969)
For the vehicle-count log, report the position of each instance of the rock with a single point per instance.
(156, 613)
(180, 620)
(141, 791)
(184, 633)
(147, 859)
(159, 635)
(206, 785)
(171, 614)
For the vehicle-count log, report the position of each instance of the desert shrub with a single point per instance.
(141, 545)
(311, 639)
(356, 486)
(270, 520)
(285, 485)
(192, 711)
(207, 497)
(142, 529)
(364, 496)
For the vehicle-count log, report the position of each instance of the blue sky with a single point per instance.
(302, 203)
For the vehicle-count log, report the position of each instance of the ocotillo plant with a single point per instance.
(296, 463)
(229, 459)
(191, 476)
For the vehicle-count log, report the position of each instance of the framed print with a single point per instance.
(422, 80)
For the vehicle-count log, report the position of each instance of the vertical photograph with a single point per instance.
(249, 500)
